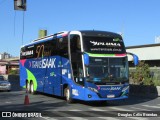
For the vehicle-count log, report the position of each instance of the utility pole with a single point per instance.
(20, 5)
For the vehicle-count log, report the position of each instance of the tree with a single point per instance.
(142, 74)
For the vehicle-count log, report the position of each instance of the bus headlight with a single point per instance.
(93, 89)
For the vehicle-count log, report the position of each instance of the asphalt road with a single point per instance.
(52, 107)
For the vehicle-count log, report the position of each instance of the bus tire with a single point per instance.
(32, 88)
(68, 95)
(28, 87)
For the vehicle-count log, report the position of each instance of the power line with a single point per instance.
(14, 23)
(20, 5)
(23, 27)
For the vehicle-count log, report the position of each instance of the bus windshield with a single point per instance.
(107, 70)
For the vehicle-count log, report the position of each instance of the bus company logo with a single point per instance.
(27, 53)
(98, 87)
(44, 63)
(111, 88)
(95, 43)
(117, 40)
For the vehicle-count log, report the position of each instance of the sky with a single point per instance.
(137, 20)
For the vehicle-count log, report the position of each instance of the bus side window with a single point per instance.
(50, 48)
(62, 45)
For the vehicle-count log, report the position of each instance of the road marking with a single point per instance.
(8, 102)
(90, 114)
(101, 110)
(140, 109)
(138, 118)
(49, 118)
(96, 109)
(64, 115)
(75, 110)
(84, 112)
(120, 109)
(108, 118)
(77, 118)
(93, 114)
(151, 106)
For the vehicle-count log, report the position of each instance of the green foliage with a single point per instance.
(142, 74)
(13, 72)
(156, 82)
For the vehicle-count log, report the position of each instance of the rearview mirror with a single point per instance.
(135, 58)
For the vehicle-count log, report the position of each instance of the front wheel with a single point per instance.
(68, 95)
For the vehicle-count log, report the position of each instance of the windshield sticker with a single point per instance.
(111, 44)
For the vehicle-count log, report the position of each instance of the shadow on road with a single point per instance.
(130, 101)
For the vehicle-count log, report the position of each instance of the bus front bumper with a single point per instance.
(89, 95)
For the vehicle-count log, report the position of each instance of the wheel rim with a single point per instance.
(32, 88)
(67, 94)
(28, 86)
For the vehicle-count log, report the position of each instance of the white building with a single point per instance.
(149, 53)
(4, 55)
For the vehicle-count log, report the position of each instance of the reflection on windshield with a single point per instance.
(107, 70)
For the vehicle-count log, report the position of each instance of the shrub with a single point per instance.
(13, 72)
(142, 74)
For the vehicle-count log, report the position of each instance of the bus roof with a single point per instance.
(100, 33)
(47, 38)
(65, 33)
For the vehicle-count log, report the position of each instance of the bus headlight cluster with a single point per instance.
(93, 89)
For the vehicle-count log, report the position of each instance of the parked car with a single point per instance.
(4, 84)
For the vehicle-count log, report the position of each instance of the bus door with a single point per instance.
(76, 59)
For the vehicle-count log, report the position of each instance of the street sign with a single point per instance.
(20, 5)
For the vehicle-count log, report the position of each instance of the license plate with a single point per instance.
(110, 96)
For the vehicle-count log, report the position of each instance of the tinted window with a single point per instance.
(62, 44)
(48, 48)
